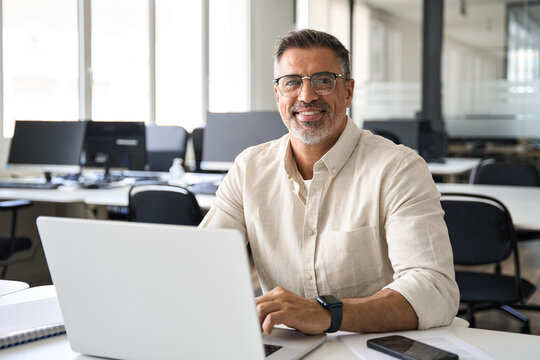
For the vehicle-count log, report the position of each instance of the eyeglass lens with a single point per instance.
(322, 84)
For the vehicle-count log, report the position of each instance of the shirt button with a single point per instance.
(334, 171)
(310, 232)
(309, 277)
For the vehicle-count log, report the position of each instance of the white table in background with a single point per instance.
(523, 202)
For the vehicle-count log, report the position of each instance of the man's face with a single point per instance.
(312, 118)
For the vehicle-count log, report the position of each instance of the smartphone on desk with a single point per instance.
(402, 347)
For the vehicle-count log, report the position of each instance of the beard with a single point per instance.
(313, 132)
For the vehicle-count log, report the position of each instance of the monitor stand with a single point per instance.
(48, 176)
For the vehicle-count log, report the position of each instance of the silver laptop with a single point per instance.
(148, 291)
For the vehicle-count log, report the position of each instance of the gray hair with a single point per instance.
(308, 38)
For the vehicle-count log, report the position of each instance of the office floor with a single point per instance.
(529, 254)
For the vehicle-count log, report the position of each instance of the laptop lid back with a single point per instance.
(148, 291)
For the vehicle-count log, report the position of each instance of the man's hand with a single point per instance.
(281, 306)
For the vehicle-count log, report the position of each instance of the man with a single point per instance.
(330, 209)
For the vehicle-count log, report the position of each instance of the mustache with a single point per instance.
(315, 103)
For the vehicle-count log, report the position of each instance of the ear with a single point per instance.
(276, 91)
(350, 91)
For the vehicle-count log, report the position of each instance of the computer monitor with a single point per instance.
(114, 144)
(401, 131)
(227, 134)
(48, 146)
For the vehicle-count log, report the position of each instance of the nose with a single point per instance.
(307, 94)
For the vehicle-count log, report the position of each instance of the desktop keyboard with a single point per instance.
(207, 187)
(28, 185)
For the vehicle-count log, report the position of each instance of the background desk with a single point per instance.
(523, 202)
(453, 166)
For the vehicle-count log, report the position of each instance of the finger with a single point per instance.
(271, 320)
(265, 308)
(276, 292)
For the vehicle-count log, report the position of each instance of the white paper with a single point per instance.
(440, 338)
(29, 315)
(9, 286)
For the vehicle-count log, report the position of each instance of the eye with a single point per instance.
(291, 81)
(322, 79)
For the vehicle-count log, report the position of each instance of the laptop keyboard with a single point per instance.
(270, 349)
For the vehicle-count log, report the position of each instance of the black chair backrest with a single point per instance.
(517, 172)
(163, 204)
(480, 228)
(164, 144)
(388, 135)
(197, 138)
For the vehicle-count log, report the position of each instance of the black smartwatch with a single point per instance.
(335, 306)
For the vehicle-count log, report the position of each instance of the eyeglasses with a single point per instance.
(323, 83)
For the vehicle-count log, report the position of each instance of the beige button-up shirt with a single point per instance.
(371, 219)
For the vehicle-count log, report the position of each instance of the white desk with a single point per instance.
(65, 195)
(60, 195)
(523, 202)
(500, 345)
(116, 196)
(453, 166)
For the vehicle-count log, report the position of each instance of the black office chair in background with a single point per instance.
(163, 204)
(197, 138)
(12, 244)
(388, 135)
(516, 171)
(511, 171)
(481, 233)
(164, 144)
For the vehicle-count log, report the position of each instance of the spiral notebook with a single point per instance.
(30, 321)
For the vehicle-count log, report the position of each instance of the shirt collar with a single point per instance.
(333, 160)
(338, 155)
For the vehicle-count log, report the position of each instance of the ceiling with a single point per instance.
(476, 23)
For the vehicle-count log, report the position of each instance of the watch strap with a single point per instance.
(337, 316)
(336, 311)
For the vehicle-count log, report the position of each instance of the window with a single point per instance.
(179, 69)
(40, 57)
(229, 56)
(120, 60)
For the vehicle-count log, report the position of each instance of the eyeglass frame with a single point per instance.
(276, 82)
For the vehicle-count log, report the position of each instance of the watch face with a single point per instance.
(329, 300)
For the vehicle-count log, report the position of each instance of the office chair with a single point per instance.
(163, 204)
(511, 171)
(163, 145)
(481, 233)
(197, 138)
(12, 244)
(388, 135)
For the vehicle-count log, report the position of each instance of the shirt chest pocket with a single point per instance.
(353, 261)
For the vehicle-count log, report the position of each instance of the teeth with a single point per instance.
(310, 112)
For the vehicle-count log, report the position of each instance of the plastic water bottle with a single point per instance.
(176, 173)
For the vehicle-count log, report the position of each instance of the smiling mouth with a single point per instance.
(309, 113)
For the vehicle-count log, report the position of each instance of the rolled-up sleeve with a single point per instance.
(418, 244)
